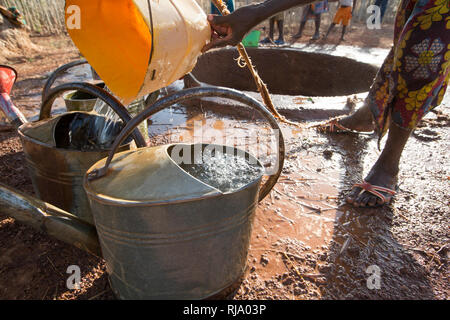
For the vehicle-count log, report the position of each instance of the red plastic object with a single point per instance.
(7, 79)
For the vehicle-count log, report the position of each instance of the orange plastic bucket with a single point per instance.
(138, 46)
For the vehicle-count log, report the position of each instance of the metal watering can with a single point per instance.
(77, 100)
(163, 233)
(57, 173)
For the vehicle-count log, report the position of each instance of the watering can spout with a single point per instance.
(8, 77)
(45, 217)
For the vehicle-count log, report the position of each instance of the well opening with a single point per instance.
(287, 71)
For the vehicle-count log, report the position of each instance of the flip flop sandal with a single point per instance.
(376, 191)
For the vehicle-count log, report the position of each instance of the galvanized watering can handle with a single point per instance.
(57, 73)
(195, 93)
(85, 87)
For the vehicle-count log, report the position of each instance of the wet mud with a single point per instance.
(306, 242)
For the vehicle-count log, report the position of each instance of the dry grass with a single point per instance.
(45, 17)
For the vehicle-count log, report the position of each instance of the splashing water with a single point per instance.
(106, 128)
(80, 131)
(89, 132)
(225, 172)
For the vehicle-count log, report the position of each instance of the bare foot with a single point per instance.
(382, 174)
(361, 120)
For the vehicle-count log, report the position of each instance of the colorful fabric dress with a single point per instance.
(414, 77)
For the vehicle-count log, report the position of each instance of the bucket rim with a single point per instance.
(71, 93)
(26, 137)
(109, 200)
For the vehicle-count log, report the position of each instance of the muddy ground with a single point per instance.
(306, 243)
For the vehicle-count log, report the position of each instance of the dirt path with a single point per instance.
(357, 35)
(306, 243)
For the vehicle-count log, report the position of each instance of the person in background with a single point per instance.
(382, 4)
(229, 3)
(279, 20)
(312, 11)
(343, 15)
(411, 82)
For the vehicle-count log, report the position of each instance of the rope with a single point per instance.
(244, 60)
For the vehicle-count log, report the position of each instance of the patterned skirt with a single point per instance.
(414, 77)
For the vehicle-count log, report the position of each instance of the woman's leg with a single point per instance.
(298, 35)
(382, 4)
(271, 28)
(417, 84)
(305, 15)
(317, 19)
(280, 24)
(344, 28)
(332, 25)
